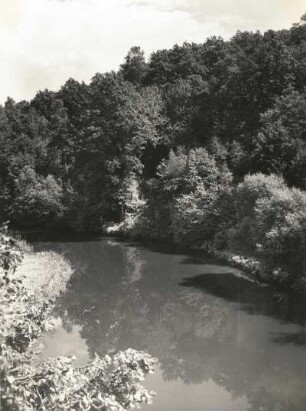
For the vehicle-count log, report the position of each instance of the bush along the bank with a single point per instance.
(259, 224)
(27, 382)
(265, 231)
(271, 227)
(182, 199)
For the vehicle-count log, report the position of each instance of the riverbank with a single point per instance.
(259, 224)
(44, 273)
(207, 327)
(251, 267)
(30, 282)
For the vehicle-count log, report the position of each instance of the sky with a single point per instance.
(45, 42)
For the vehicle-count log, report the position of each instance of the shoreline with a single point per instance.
(250, 268)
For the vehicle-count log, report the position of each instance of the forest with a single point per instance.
(203, 145)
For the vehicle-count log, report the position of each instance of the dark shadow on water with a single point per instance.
(165, 247)
(190, 256)
(202, 258)
(298, 338)
(156, 246)
(59, 236)
(254, 299)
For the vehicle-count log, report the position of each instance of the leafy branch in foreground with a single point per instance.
(108, 383)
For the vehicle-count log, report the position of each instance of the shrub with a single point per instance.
(37, 199)
(271, 226)
(202, 216)
(182, 198)
(281, 222)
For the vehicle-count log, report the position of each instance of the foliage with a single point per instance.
(134, 68)
(11, 251)
(201, 216)
(182, 199)
(37, 198)
(242, 100)
(157, 147)
(271, 224)
(280, 146)
(108, 383)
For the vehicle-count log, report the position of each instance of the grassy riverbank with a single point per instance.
(30, 283)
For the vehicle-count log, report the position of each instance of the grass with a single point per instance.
(45, 274)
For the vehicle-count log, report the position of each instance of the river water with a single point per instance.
(223, 343)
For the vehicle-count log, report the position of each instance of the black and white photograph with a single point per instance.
(152, 205)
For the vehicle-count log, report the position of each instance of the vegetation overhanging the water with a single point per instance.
(27, 296)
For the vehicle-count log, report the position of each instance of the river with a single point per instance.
(223, 343)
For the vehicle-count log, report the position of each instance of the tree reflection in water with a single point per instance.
(201, 322)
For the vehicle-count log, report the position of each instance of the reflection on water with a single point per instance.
(223, 343)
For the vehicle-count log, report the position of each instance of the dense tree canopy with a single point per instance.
(150, 140)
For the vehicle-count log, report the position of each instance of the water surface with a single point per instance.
(223, 343)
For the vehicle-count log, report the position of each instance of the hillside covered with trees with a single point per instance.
(204, 144)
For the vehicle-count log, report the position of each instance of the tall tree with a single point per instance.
(134, 69)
